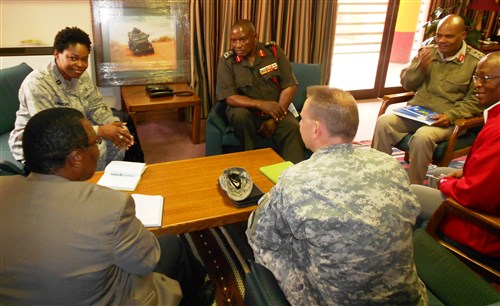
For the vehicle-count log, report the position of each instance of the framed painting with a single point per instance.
(138, 42)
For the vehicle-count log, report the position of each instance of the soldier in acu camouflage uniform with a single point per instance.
(256, 81)
(337, 228)
(64, 83)
(441, 76)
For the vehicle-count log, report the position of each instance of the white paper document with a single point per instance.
(149, 209)
(122, 175)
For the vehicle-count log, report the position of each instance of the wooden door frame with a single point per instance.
(385, 53)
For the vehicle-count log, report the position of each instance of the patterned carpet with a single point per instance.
(225, 252)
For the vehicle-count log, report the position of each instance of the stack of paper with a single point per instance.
(148, 209)
(122, 175)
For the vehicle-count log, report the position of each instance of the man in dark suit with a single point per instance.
(69, 242)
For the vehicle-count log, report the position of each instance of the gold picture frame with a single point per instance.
(138, 42)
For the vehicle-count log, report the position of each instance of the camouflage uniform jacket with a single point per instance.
(447, 88)
(337, 230)
(46, 88)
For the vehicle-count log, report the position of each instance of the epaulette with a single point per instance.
(228, 54)
(270, 43)
(474, 52)
(429, 46)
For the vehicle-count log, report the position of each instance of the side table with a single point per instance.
(489, 48)
(136, 100)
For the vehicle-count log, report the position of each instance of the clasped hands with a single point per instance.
(454, 174)
(117, 133)
(276, 112)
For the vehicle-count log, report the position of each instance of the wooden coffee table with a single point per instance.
(192, 197)
(136, 100)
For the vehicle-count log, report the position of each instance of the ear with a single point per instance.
(74, 160)
(317, 129)
(464, 35)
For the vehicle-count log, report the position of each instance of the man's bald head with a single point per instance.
(493, 60)
(244, 25)
(450, 35)
(453, 20)
(244, 39)
(487, 79)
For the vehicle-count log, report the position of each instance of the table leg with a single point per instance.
(196, 124)
(126, 109)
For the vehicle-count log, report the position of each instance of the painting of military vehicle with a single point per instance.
(138, 42)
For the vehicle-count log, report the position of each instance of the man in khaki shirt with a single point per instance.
(441, 76)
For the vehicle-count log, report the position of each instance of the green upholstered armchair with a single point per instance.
(490, 223)
(448, 280)
(220, 137)
(10, 82)
(459, 144)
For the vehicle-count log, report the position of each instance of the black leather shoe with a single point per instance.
(206, 295)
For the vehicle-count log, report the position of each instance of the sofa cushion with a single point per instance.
(10, 81)
(6, 156)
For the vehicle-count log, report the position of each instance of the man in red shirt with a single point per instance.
(476, 185)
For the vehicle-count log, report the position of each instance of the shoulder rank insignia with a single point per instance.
(474, 52)
(228, 53)
(270, 43)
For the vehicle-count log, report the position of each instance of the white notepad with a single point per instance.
(122, 175)
(149, 209)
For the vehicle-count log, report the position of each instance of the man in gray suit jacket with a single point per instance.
(69, 242)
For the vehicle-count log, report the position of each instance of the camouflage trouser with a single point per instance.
(107, 153)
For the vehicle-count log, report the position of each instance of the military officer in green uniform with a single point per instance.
(256, 82)
(441, 76)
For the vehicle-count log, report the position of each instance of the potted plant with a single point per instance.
(473, 35)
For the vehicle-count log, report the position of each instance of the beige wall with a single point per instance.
(40, 21)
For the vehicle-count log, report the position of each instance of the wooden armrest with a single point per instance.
(399, 97)
(451, 206)
(489, 222)
(467, 123)
(461, 125)
(394, 99)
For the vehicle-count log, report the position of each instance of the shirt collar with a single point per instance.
(46, 177)
(347, 147)
(460, 55)
(60, 80)
(485, 113)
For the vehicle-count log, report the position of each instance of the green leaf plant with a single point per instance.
(473, 35)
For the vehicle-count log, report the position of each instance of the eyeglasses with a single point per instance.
(97, 141)
(484, 78)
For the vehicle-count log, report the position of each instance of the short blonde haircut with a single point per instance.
(336, 108)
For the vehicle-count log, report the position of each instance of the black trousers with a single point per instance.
(178, 262)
